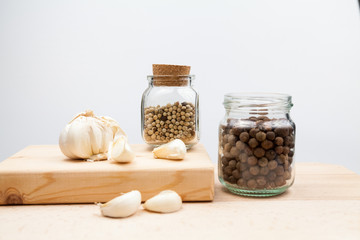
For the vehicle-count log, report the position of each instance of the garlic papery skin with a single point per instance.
(174, 150)
(88, 136)
(120, 150)
(122, 206)
(165, 202)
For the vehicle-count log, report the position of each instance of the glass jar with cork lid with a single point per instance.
(170, 106)
(257, 144)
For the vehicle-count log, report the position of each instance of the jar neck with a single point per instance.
(257, 104)
(171, 80)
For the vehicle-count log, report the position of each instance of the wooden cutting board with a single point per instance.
(42, 174)
(323, 204)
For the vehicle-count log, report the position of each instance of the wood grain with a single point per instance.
(313, 208)
(42, 174)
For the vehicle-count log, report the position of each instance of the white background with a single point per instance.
(58, 58)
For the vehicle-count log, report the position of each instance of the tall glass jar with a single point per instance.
(257, 144)
(170, 110)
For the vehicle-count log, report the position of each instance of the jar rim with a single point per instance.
(167, 76)
(171, 80)
(257, 100)
(258, 95)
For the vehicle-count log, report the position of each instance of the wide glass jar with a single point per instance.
(170, 110)
(257, 144)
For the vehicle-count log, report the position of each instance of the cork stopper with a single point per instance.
(165, 69)
(170, 75)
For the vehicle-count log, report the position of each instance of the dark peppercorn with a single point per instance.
(254, 170)
(253, 143)
(261, 181)
(259, 152)
(227, 155)
(260, 136)
(244, 137)
(270, 135)
(240, 145)
(234, 151)
(232, 164)
(279, 149)
(240, 182)
(279, 141)
(237, 130)
(272, 164)
(248, 151)
(224, 161)
(267, 144)
(251, 183)
(232, 179)
(270, 154)
(291, 153)
(253, 132)
(232, 139)
(282, 131)
(279, 181)
(286, 150)
(252, 161)
(263, 162)
(288, 140)
(227, 147)
(282, 158)
(236, 173)
(228, 170)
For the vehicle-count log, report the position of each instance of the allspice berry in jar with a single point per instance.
(170, 106)
(257, 144)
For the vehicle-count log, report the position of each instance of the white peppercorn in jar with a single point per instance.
(257, 144)
(170, 107)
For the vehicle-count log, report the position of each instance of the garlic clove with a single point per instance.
(174, 150)
(165, 202)
(122, 206)
(120, 151)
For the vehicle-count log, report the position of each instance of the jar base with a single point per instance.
(255, 192)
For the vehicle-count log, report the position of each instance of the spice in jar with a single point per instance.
(169, 122)
(263, 155)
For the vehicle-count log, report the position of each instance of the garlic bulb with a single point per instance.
(120, 151)
(122, 206)
(88, 136)
(174, 150)
(165, 202)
